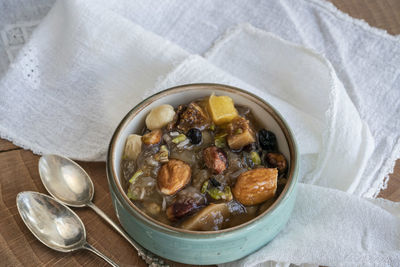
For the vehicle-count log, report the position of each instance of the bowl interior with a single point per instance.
(264, 113)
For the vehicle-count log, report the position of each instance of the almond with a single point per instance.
(256, 186)
(173, 176)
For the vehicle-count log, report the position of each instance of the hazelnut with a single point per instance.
(215, 159)
(152, 138)
(256, 186)
(173, 176)
(276, 160)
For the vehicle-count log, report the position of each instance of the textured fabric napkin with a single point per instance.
(86, 66)
(366, 59)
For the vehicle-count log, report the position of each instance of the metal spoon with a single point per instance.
(66, 181)
(54, 224)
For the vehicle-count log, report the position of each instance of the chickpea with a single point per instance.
(160, 116)
(133, 147)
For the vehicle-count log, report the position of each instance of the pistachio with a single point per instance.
(256, 186)
(162, 155)
(255, 158)
(173, 176)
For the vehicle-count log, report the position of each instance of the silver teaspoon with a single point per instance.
(66, 181)
(54, 224)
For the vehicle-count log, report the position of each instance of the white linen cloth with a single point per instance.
(73, 83)
(366, 59)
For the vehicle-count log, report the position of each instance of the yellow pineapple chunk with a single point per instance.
(222, 109)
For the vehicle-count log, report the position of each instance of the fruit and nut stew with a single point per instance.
(205, 165)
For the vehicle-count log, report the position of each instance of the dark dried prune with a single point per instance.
(194, 136)
(267, 140)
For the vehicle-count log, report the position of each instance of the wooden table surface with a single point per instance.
(19, 172)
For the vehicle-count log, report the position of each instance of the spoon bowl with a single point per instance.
(66, 181)
(54, 224)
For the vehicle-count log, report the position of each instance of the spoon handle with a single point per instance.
(98, 253)
(148, 257)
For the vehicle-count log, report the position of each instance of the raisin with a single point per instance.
(194, 136)
(267, 140)
(250, 147)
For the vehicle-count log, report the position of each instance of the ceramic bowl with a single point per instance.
(195, 247)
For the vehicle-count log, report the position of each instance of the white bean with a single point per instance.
(160, 116)
(133, 147)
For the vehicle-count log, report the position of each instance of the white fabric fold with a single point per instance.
(340, 226)
(72, 83)
(86, 66)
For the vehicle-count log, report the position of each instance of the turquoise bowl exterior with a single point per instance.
(205, 249)
(216, 247)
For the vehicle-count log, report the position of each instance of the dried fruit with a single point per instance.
(215, 159)
(222, 109)
(195, 136)
(193, 116)
(208, 218)
(267, 140)
(152, 138)
(239, 133)
(256, 186)
(276, 160)
(173, 176)
(160, 116)
(186, 202)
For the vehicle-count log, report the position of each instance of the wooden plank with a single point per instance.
(7, 145)
(18, 247)
(377, 13)
(392, 192)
